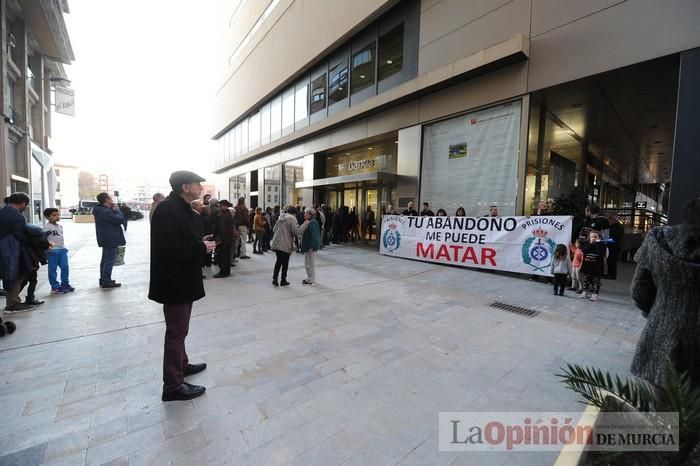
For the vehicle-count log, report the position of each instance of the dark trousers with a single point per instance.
(223, 255)
(283, 263)
(591, 283)
(559, 282)
(613, 254)
(109, 255)
(31, 279)
(258, 241)
(177, 324)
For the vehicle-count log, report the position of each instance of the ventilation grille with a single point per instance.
(523, 311)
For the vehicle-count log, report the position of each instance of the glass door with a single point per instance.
(370, 210)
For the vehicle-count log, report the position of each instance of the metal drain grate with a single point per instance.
(523, 311)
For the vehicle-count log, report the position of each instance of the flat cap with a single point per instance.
(181, 177)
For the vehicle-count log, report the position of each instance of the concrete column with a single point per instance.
(686, 158)
(4, 175)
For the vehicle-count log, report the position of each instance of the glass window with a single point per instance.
(244, 136)
(390, 53)
(227, 147)
(273, 177)
(301, 102)
(318, 94)
(254, 131)
(288, 111)
(265, 124)
(276, 118)
(362, 69)
(239, 141)
(338, 84)
(293, 172)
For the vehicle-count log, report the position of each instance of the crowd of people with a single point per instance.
(190, 234)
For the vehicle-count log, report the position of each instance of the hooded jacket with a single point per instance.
(284, 232)
(666, 287)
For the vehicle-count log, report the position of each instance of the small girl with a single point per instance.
(576, 283)
(593, 264)
(561, 268)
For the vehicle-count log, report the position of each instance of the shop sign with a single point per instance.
(359, 163)
(513, 244)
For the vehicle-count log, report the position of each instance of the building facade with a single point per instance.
(461, 103)
(35, 46)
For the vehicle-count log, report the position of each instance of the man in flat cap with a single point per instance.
(176, 279)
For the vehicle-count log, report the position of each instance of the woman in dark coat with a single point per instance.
(666, 287)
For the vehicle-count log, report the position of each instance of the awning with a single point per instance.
(377, 177)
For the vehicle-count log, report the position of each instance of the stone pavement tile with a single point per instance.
(488, 458)
(215, 452)
(427, 453)
(170, 450)
(329, 382)
(40, 434)
(324, 403)
(89, 405)
(313, 433)
(289, 399)
(272, 428)
(125, 445)
(271, 454)
(76, 459)
(31, 455)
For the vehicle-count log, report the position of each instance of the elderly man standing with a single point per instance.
(108, 226)
(310, 243)
(176, 280)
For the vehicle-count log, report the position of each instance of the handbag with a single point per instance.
(119, 260)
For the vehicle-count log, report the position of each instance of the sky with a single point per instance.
(143, 87)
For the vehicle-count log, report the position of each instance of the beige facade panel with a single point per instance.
(551, 14)
(454, 29)
(401, 116)
(306, 30)
(245, 17)
(624, 34)
(493, 87)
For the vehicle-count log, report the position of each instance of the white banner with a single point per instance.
(513, 244)
(65, 100)
(471, 161)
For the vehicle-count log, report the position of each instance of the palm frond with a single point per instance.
(595, 386)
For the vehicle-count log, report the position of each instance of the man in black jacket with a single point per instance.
(223, 232)
(12, 222)
(176, 279)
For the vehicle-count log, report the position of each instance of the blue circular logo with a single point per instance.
(539, 253)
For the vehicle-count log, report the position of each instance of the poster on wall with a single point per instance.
(472, 161)
(513, 244)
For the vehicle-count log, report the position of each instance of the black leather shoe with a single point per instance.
(284, 283)
(275, 282)
(218, 275)
(33, 302)
(185, 391)
(111, 284)
(193, 369)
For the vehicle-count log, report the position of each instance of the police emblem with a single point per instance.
(538, 250)
(391, 238)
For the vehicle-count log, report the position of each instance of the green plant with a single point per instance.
(573, 203)
(677, 395)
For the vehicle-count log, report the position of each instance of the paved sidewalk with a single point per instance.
(353, 370)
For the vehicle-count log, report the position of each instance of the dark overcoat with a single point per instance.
(666, 287)
(176, 254)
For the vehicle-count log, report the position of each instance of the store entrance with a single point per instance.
(365, 203)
